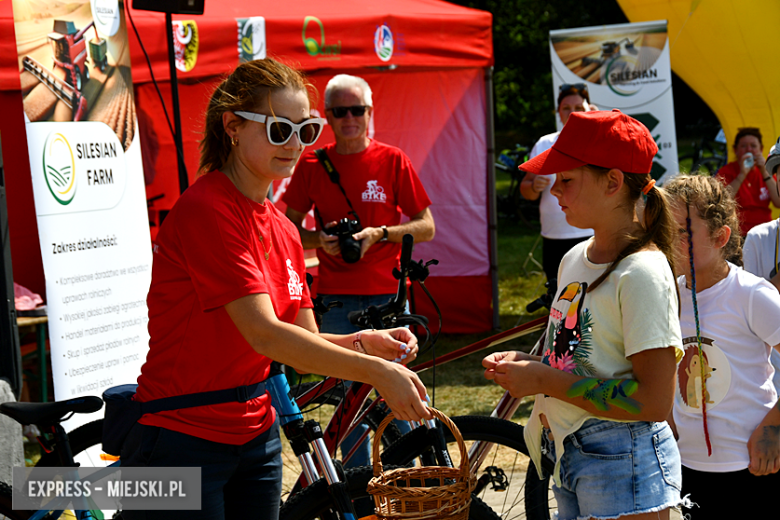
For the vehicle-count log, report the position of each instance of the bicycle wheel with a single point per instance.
(506, 480)
(315, 502)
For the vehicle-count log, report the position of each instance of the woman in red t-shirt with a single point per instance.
(228, 296)
(749, 182)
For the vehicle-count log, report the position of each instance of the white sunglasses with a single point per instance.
(281, 130)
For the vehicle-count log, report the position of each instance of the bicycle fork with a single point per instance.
(303, 435)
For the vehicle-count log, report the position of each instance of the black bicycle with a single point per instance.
(512, 204)
(707, 156)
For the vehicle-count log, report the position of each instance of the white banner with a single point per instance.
(94, 235)
(626, 67)
(88, 186)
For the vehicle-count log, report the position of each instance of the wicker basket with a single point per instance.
(427, 492)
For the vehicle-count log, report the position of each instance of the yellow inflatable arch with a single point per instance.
(728, 52)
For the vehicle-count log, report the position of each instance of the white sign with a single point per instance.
(627, 67)
(93, 227)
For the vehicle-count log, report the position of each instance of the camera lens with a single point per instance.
(350, 249)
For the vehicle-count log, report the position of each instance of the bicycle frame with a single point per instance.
(352, 411)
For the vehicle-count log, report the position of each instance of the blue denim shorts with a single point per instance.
(610, 469)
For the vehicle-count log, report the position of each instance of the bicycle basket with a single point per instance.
(422, 493)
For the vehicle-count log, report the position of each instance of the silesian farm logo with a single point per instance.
(59, 168)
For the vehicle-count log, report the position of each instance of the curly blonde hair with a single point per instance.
(244, 89)
(714, 204)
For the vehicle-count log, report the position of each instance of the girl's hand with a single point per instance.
(490, 362)
(764, 448)
(397, 344)
(515, 372)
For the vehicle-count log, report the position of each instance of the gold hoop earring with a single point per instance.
(233, 140)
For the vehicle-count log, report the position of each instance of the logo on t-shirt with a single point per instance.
(702, 377)
(294, 285)
(374, 193)
(569, 335)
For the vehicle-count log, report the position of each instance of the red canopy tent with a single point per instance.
(428, 63)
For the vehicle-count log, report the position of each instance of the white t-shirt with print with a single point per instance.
(739, 318)
(594, 334)
(552, 217)
(760, 256)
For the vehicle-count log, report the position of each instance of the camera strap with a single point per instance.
(333, 174)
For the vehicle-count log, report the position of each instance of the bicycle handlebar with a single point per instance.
(376, 316)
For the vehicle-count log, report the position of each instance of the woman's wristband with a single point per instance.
(357, 343)
(767, 178)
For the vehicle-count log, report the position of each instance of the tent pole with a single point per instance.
(11, 357)
(183, 180)
(491, 178)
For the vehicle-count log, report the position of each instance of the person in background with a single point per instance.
(761, 252)
(227, 298)
(748, 181)
(725, 413)
(377, 185)
(557, 235)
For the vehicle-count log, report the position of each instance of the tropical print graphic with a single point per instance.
(569, 334)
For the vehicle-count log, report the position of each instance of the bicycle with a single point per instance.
(513, 204)
(708, 155)
(492, 437)
(59, 451)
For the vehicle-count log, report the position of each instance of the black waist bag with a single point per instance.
(122, 412)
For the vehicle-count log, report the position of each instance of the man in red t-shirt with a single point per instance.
(747, 179)
(380, 183)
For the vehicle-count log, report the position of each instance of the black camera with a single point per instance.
(344, 229)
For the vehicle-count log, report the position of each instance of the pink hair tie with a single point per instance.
(648, 186)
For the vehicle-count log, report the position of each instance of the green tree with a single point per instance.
(524, 103)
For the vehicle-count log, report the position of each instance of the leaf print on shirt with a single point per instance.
(568, 345)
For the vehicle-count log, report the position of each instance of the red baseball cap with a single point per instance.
(601, 138)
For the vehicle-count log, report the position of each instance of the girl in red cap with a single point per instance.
(725, 410)
(604, 382)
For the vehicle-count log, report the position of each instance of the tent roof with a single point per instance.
(340, 35)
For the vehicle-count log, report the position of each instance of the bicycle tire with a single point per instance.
(525, 495)
(314, 501)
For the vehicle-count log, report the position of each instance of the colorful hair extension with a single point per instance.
(698, 334)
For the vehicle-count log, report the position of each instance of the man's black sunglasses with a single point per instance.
(576, 86)
(356, 111)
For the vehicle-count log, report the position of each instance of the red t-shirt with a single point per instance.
(208, 254)
(752, 197)
(381, 183)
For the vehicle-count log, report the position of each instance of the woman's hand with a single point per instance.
(764, 445)
(402, 390)
(397, 344)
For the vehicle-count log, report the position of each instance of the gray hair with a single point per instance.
(345, 82)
